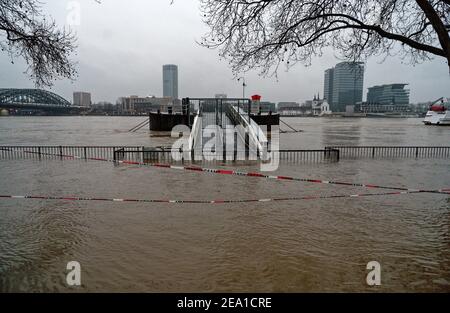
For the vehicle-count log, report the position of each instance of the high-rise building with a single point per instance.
(82, 99)
(328, 85)
(170, 81)
(390, 94)
(343, 85)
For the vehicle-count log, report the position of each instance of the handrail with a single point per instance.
(139, 126)
(196, 128)
(255, 132)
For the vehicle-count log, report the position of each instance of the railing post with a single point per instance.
(60, 152)
(235, 152)
(224, 144)
(39, 151)
(417, 152)
(247, 145)
(85, 153)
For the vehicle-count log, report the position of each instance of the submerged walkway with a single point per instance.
(223, 121)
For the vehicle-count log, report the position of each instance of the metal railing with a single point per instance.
(160, 154)
(83, 152)
(225, 113)
(393, 151)
(166, 154)
(256, 137)
(284, 156)
(195, 138)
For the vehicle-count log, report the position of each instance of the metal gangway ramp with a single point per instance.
(223, 130)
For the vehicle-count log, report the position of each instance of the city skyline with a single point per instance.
(104, 44)
(170, 88)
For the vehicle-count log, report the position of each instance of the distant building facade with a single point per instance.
(384, 108)
(291, 109)
(284, 105)
(170, 81)
(390, 94)
(82, 99)
(317, 106)
(220, 96)
(267, 106)
(103, 107)
(390, 98)
(328, 85)
(142, 105)
(325, 108)
(343, 85)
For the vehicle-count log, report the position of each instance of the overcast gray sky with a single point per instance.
(122, 46)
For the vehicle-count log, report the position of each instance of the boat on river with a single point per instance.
(438, 114)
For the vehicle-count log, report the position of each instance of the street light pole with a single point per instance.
(243, 86)
(243, 90)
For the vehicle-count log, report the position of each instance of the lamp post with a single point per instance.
(243, 89)
(243, 86)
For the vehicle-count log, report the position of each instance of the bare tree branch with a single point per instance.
(25, 32)
(438, 26)
(266, 33)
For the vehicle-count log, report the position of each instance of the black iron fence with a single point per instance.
(393, 151)
(168, 155)
(160, 154)
(83, 152)
(314, 156)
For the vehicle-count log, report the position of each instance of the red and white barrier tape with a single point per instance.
(219, 201)
(251, 174)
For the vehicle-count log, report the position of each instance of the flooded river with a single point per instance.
(286, 246)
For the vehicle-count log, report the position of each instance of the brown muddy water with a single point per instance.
(293, 246)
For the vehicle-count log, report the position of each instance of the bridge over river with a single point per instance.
(35, 99)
